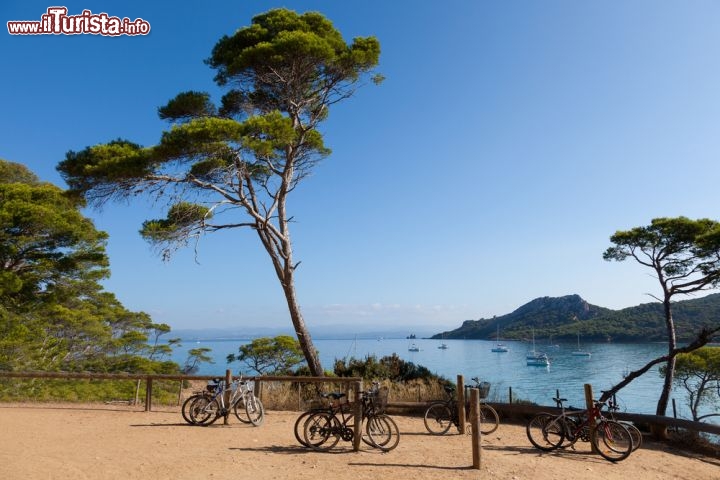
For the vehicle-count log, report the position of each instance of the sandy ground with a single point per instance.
(83, 442)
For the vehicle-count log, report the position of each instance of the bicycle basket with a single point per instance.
(213, 384)
(379, 399)
(484, 389)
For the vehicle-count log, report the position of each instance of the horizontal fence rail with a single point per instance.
(149, 378)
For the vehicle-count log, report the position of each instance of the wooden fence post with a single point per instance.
(461, 404)
(510, 395)
(226, 396)
(148, 394)
(475, 422)
(357, 412)
(589, 404)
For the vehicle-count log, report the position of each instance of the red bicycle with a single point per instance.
(609, 438)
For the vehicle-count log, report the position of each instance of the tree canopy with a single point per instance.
(271, 356)
(54, 312)
(684, 255)
(698, 373)
(245, 153)
(682, 252)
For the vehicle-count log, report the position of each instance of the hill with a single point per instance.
(562, 318)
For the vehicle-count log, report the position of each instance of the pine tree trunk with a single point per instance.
(661, 431)
(282, 257)
(303, 336)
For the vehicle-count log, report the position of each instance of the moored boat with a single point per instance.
(538, 360)
(499, 347)
(580, 352)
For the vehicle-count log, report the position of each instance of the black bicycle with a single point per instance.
(442, 414)
(322, 427)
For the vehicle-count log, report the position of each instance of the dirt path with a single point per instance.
(70, 442)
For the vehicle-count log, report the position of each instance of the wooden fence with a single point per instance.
(354, 384)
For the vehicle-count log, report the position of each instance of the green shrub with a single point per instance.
(390, 367)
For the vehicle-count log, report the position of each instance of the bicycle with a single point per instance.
(323, 427)
(325, 401)
(206, 407)
(609, 438)
(442, 414)
(635, 433)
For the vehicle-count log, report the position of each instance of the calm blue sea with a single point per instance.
(567, 373)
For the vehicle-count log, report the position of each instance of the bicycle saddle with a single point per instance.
(333, 395)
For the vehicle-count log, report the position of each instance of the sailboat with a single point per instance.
(499, 347)
(443, 346)
(535, 358)
(580, 352)
(413, 348)
(539, 360)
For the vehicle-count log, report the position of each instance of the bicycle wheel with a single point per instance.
(635, 433)
(438, 419)
(204, 411)
(186, 407)
(612, 440)
(299, 427)
(545, 431)
(322, 431)
(254, 410)
(489, 418)
(239, 411)
(383, 432)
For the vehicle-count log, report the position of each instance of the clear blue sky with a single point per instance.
(509, 141)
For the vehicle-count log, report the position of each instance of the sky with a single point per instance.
(509, 141)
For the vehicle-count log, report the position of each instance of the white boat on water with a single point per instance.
(413, 348)
(580, 352)
(499, 347)
(535, 358)
(539, 360)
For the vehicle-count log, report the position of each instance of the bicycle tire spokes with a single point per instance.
(612, 441)
(545, 432)
(439, 418)
(322, 431)
(383, 432)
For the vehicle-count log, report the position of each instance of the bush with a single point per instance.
(390, 367)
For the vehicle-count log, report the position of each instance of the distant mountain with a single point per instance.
(563, 318)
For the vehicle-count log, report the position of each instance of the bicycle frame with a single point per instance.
(240, 390)
(324, 427)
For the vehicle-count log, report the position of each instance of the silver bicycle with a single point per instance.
(206, 407)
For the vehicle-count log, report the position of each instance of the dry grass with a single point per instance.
(298, 396)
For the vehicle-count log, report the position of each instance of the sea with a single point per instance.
(507, 372)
